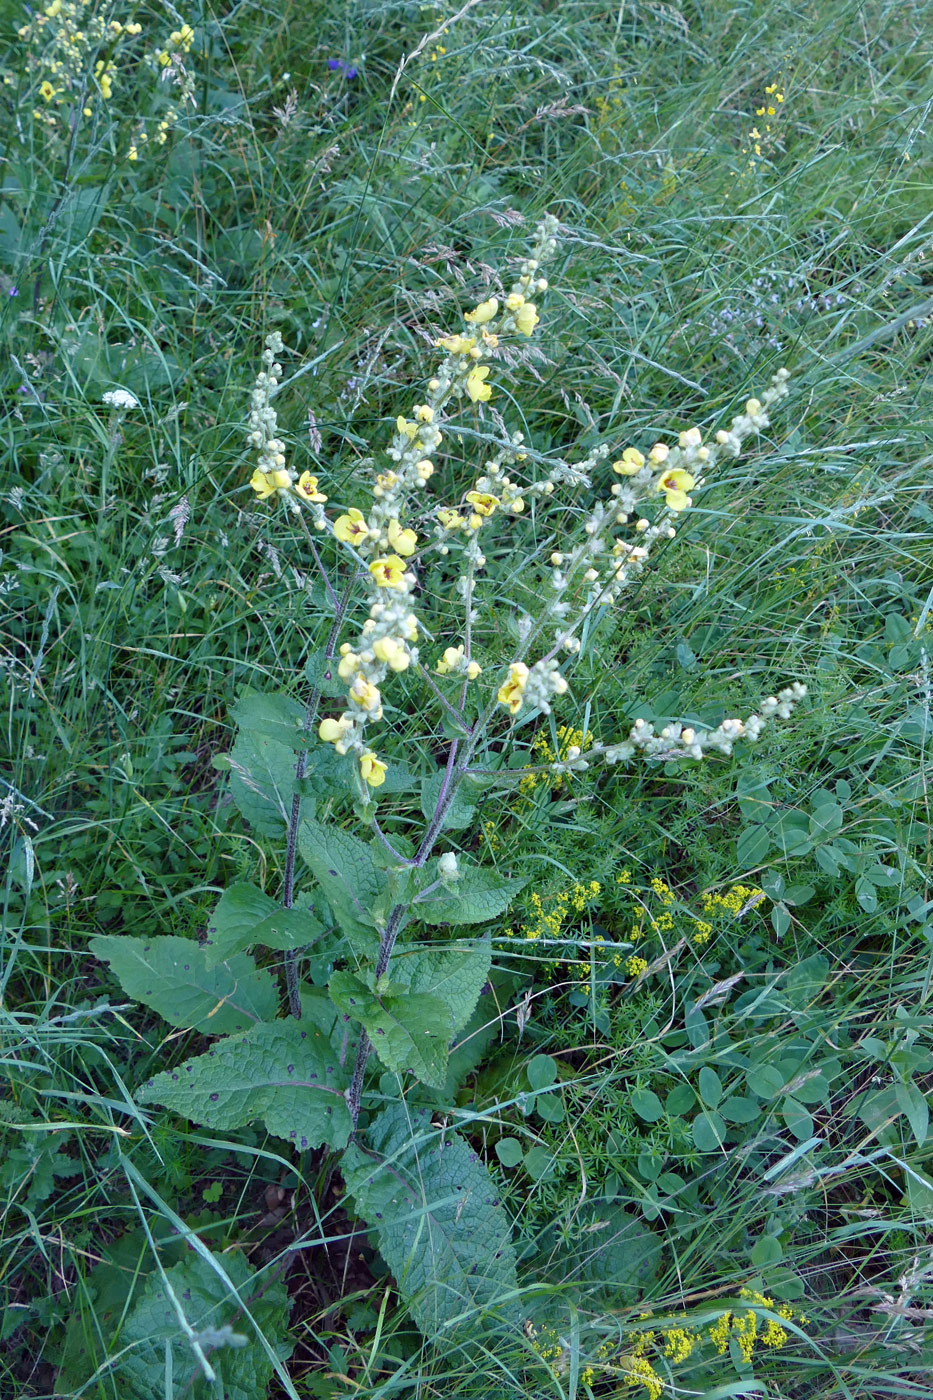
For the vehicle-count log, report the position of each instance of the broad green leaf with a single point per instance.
(540, 1162)
(410, 1032)
(245, 917)
(614, 1253)
(797, 1119)
(753, 846)
(283, 1073)
(275, 715)
(764, 1080)
(647, 1105)
(262, 781)
(708, 1130)
(541, 1071)
(344, 867)
(710, 1087)
(438, 1220)
(740, 1109)
(766, 1250)
(509, 1151)
(456, 973)
(480, 894)
(460, 812)
(138, 1341)
(680, 1099)
(173, 977)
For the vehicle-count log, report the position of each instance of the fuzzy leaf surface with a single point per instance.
(478, 895)
(172, 975)
(284, 1073)
(409, 1031)
(440, 1225)
(350, 878)
(245, 917)
(456, 974)
(213, 1312)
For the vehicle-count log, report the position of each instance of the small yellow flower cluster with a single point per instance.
(570, 743)
(743, 1327)
(760, 144)
(635, 967)
(640, 1372)
(737, 901)
(545, 1342)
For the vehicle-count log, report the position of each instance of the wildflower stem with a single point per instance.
(294, 817)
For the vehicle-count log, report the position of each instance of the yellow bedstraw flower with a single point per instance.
(477, 390)
(307, 488)
(351, 528)
(527, 318)
(512, 691)
(456, 344)
(404, 542)
(371, 770)
(388, 572)
(630, 463)
(675, 485)
(267, 483)
(483, 313)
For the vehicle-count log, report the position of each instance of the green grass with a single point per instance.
(358, 228)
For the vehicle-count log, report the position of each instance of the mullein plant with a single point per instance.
(385, 555)
(385, 989)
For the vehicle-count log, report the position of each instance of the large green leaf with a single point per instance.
(350, 878)
(284, 1073)
(263, 781)
(456, 973)
(438, 1220)
(276, 715)
(132, 1348)
(478, 895)
(460, 812)
(245, 917)
(172, 976)
(410, 1032)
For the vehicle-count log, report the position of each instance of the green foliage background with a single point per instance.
(753, 1110)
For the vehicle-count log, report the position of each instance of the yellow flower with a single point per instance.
(482, 502)
(307, 487)
(351, 528)
(450, 661)
(483, 313)
(333, 730)
(512, 691)
(477, 390)
(630, 463)
(371, 770)
(393, 653)
(527, 318)
(450, 519)
(388, 572)
(366, 696)
(456, 344)
(267, 483)
(404, 427)
(46, 90)
(675, 484)
(402, 541)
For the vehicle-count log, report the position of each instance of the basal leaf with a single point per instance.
(410, 1032)
(284, 1073)
(133, 1348)
(245, 918)
(438, 1220)
(456, 973)
(172, 976)
(478, 895)
(350, 878)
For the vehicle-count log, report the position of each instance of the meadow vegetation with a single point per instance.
(465, 561)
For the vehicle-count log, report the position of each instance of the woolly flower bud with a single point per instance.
(447, 866)
(691, 438)
(660, 452)
(514, 302)
(527, 318)
(473, 670)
